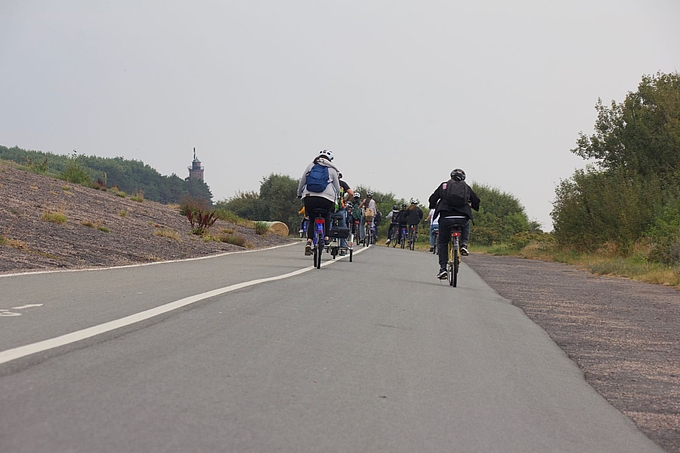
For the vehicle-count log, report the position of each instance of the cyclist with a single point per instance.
(304, 223)
(340, 212)
(393, 217)
(434, 226)
(413, 216)
(403, 218)
(441, 202)
(323, 200)
(355, 214)
(368, 209)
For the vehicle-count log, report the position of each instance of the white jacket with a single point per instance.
(332, 189)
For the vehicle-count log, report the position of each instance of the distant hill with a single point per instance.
(130, 176)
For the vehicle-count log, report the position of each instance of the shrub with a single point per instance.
(200, 221)
(235, 239)
(54, 217)
(664, 236)
(171, 234)
(139, 197)
(261, 228)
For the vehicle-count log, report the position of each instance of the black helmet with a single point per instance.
(403, 206)
(458, 174)
(395, 207)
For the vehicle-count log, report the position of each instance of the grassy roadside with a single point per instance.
(635, 267)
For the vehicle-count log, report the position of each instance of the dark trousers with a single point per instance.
(311, 204)
(446, 225)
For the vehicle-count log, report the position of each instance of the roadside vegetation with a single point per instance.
(619, 216)
(122, 176)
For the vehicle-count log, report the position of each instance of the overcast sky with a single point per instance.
(401, 91)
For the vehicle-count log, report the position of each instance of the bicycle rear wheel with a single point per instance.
(456, 262)
(449, 265)
(318, 253)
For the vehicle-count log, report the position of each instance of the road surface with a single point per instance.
(260, 352)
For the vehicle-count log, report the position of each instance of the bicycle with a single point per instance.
(303, 227)
(412, 236)
(394, 235)
(369, 234)
(402, 236)
(453, 264)
(335, 234)
(318, 238)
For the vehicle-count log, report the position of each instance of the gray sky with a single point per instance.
(401, 91)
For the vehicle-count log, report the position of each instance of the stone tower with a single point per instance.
(195, 171)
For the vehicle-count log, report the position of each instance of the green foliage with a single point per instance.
(54, 217)
(75, 172)
(500, 217)
(261, 228)
(642, 134)
(129, 176)
(278, 200)
(595, 207)
(630, 196)
(245, 205)
(664, 235)
(37, 167)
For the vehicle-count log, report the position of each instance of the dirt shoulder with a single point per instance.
(624, 335)
(101, 228)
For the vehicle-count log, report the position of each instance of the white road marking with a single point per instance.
(27, 306)
(155, 263)
(34, 348)
(8, 313)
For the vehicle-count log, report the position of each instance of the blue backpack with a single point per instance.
(317, 178)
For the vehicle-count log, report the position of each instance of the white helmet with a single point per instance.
(327, 153)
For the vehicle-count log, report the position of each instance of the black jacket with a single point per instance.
(414, 216)
(442, 208)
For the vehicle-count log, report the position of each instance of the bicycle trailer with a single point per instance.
(339, 232)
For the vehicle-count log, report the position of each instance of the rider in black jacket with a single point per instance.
(445, 212)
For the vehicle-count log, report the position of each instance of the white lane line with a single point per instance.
(27, 306)
(34, 348)
(155, 263)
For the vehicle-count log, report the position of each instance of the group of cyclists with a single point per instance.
(341, 207)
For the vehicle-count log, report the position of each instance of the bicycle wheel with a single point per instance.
(412, 240)
(456, 263)
(319, 252)
(449, 264)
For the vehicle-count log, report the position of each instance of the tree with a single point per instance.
(636, 174)
(279, 202)
(642, 134)
(500, 216)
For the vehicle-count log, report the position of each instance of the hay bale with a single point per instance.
(279, 228)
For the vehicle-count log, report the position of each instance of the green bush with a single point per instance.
(664, 236)
(261, 228)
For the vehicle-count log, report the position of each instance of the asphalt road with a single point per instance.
(260, 352)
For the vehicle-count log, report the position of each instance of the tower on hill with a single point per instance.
(195, 171)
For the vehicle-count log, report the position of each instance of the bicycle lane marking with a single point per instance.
(63, 340)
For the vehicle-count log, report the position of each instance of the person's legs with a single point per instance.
(312, 203)
(444, 238)
(433, 228)
(362, 233)
(465, 235)
(343, 224)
